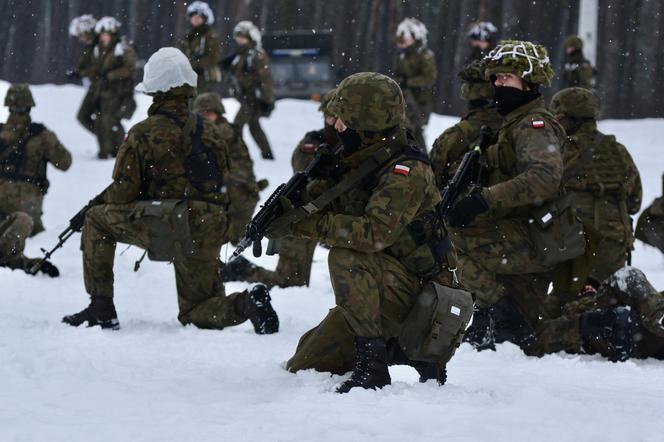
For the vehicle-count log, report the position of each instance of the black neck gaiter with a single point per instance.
(508, 99)
(350, 139)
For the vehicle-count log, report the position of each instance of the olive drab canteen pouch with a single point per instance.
(556, 231)
(436, 323)
(168, 222)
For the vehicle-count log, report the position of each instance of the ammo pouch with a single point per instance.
(168, 222)
(557, 232)
(436, 323)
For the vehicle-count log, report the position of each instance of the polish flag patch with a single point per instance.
(402, 170)
(538, 124)
(308, 147)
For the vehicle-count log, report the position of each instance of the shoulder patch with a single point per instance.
(308, 147)
(401, 169)
(537, 124)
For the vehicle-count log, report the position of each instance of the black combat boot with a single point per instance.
(510, 326)
(101, 312)
(480, 333)
(616, 327)
(237, 269)
(256, 307)
(426, 370)
(370, 365)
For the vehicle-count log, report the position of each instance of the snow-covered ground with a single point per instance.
(157, 380)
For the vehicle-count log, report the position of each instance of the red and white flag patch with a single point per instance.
(538, 124)
(402, 170)
(308, 148)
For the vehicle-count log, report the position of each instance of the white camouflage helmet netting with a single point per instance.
(107, 24)
(516, 50)
(81, 24)
(166, 69)
(413, 28)
(202, 9)
(248, 28)
(483, 30)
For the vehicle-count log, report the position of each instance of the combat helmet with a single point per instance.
(368, 101)
(573, 41)
(81, 25)
(414, 28)
(247, 29)
(209, 102)
(19, 97)
(483, 31)
(325, 100)
(474, 85)
(527, 60)
(107, 24)
(576, 102)
(203, 9)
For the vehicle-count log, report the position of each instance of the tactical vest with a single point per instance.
(13, 160)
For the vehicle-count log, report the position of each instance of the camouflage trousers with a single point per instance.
(87, 110)
(240, 212)
(610, 256)
(108, 125)
(294, 267)
(201, 295)
(15, 228)
(22, 197)
(249, 115)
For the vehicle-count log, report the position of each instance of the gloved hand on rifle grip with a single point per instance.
(467, 209)
(283, 225)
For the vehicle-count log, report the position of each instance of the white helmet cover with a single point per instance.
(245, 27)
(107, 24)
(166, 69)
(414, 28)
(81, 24)
(202, 9)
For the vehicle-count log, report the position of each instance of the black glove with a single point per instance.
(266, 108)
(465, 211)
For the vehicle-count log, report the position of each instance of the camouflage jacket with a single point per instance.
(203, 49)
(241, 178)
(451, 145)
(113, 68)
(373, 217)
(602, 174)
(305, 151)
(84, 67)
(524, 166)
(416, 73)
(578, 72)
(151, 162)
(25, 149)
(251, 70)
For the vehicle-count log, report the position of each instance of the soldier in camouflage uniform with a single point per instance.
(173, 159)
(114, 63)
(250, 69)
(83, 28)
(295, 254)
(15, 228)
(482, 38)
(578, 72)
(416, 73)
(201, 45)
(451, 145)
(623, 318)
(603, 177)
(650, 226)
(523, 170)
(25, 150)
(242, 186)
(377, 268)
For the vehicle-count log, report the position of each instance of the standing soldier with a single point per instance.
(295, 254)
(202, 46)
(482, 38)
(578, 72)
(378, 265)
(83, 28)
(250, 69)
(416, 74)
(523, 172)
(167, 197)
(25, 150)
(603, 177)
(242, 186)
(114, 66)
(14, 230)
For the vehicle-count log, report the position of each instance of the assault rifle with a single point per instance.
(466, 175)
(292, 190)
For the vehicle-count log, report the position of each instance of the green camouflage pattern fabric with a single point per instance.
(85, 69)
(368, 101)
(203, 49)
(416, 73)
(40, 150)
(209, 102)
(527, 60)
(607, 186)
(84, 66)
(474, 85)
(15, 228)
(150, 166)
(578, 72)
(576, 102)
(573, 41)
(113, 84)
(19, 96)
(650, 226)
(451, 145)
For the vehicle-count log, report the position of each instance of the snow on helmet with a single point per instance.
(577, 102)
(107, 24)
(202, 9)
(413, 28)
(483, 31)
(208, 102)
(82, 24)
(245, 28)
(166, 69)
(19, 96)
(523, 58)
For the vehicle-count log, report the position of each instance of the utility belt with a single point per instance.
(42, 184)
(168, 223)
